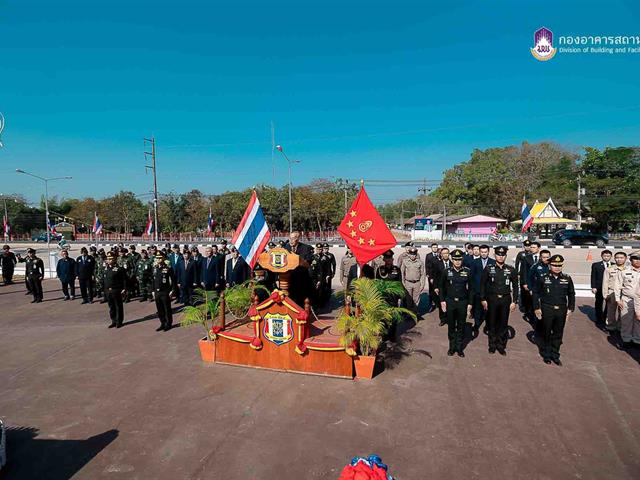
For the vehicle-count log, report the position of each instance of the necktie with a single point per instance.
(535, 259)
(484, 263)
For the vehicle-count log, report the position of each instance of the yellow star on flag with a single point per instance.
(350, 224)
(361, 241)
(353, 213)
(353, 233)
(372, 242)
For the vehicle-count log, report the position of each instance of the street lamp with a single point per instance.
(46, 205)
(280, 149)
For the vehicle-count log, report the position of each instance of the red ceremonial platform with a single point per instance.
(279, 334)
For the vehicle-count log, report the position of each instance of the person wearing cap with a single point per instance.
(477, 267)
(627, 295)
(612, 320)
(407, 248)
(164, 287)
(93, 253)
(185, 275)
(332, 269)
(8, 261)
(554, 299)
(144, 276)
(439, 268)
(85, 270)
(535, 272)
(124, 261)
(597, 275)
(270, 246)
(413, 276)
(526, 248)
(388, 271)
(318, 270)
(66, 273)
(345, 266)
(223, 248)
(134, 258)
(114, 280)
(498, 297)
(456, 296)
(34, 273)
(237, 270)
(101, 264)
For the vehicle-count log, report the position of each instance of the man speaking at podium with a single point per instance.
(300, 286)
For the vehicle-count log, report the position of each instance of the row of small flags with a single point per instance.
(148, 229)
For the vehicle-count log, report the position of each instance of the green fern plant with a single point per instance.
(238, 298)
(376, 299)
(203, 313)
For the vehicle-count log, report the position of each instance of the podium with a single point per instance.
(279, 334)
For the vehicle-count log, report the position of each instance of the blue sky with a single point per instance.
(356, 89)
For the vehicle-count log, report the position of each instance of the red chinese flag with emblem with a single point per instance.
(364, 230)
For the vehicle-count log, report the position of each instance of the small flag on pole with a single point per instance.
(148, 230)
(6, 227)
(97, 225)
(52, 227)
(525, 213)
(252, 235)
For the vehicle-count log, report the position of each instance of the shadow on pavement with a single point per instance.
(30, 457)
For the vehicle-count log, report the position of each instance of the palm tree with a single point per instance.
(204, 312)
(376, 313)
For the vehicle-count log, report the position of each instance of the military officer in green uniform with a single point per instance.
(554, 299)
(456, 297)
(114, 279)
(101, 259)
(164, 285)
(127, 263)
(144, 275)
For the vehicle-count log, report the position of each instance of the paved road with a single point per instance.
(135, 404)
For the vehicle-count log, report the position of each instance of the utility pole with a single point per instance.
(152, 142)
(424, 191)
(444, 221)
(579, 212)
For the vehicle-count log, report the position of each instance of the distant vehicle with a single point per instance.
(580, 237)
(43, 237)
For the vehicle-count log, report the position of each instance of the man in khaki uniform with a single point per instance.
(404, 255)
(413, 276)
(626, 291)
(345, 265)
(612, 320)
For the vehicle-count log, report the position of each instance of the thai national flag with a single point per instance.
(148, 230)
(97, 225)
(6, 226)
(527, 219)
(252, 235)
(210, 223)
(52, 227)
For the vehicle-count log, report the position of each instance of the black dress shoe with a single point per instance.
(160, 328)
(492, 350)
(460, 353)
(119, 326)
(450, 353)
(547, 361)
(557, 362)
(168, 327)
(28, 293)
(34, 301)
(502, 352)
(83, 302)
(112, 325)
(39, 300)
(65, 299)
(442, 323)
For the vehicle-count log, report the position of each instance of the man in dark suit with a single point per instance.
(85, 269)
(477, 267)
(237, 271)
(438, 268)
(430, 258)
(197, 258)
(597, 275)
(525, 289)
(210, 275)
(186, 273)
(66, 271)
(356, 272)
(300, 286)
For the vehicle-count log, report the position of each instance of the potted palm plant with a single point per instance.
(375, 312)
(203, 313)
(239, 298)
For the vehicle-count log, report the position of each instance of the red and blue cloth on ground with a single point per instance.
(369, 468)
(252, 235)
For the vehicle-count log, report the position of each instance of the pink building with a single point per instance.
(474, 224)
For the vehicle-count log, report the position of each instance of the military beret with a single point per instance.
(457, 254)
(527, 243)
(408, 244)
(388, 254)
(557, 260)
(634, 256)
(101, 250)
(501, 250)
